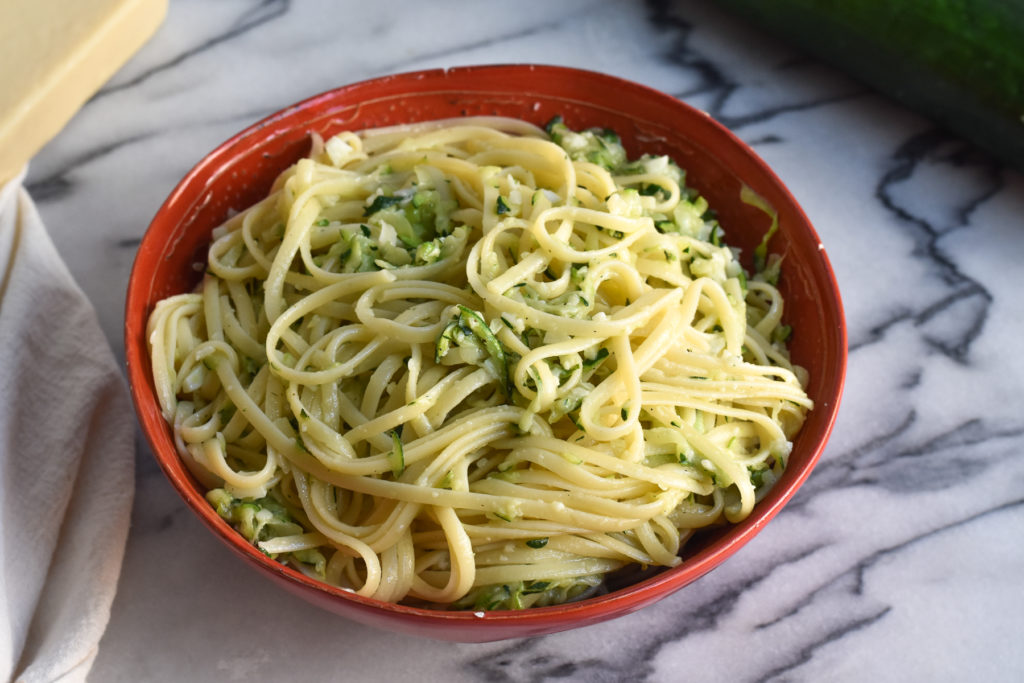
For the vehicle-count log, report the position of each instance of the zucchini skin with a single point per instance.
(958, 62)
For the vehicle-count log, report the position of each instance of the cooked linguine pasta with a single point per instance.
(478, 364)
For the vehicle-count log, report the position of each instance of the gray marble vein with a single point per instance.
(900, 560)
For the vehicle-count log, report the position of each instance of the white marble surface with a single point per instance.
(903, 556)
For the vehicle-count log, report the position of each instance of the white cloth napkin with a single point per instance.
(66, 458)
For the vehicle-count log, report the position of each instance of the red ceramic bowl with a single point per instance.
(241, 170)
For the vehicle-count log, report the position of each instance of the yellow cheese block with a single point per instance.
(54, 54)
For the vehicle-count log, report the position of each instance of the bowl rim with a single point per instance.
(589, 610)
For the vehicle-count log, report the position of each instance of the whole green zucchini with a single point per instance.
(959, 62)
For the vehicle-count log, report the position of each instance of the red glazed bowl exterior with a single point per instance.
(240, 172)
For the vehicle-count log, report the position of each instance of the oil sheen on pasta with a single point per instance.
(477, 364)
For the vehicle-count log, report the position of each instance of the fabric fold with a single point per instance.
(66, 458)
